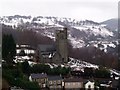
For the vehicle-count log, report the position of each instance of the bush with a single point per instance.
(42, 68)
(102, 73)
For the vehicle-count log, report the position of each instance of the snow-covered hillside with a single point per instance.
(94, 30)
(16, 20)
(78, 64)
(75, 64)
(80, 32)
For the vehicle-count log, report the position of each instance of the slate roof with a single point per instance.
(73, 80)
(103, 80)
(46, 48)
(39, 75)
(54, 78)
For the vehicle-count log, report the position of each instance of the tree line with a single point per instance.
(42, 68)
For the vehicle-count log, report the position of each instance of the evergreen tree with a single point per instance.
(25, 67)
(8, 48)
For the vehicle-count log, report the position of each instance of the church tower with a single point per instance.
(61, 44)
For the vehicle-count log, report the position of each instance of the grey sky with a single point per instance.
(79, 9)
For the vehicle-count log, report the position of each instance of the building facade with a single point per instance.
(41, 79)
(89, 85)
(57, 53)
(73, 84)
(55, 82)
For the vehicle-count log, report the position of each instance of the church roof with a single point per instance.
(46, 48)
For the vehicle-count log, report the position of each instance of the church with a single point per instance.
(57, 53)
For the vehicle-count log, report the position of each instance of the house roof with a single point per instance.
(39, 75)
(73, 80)
(88, 81)
(54, 78)
(101, 80)
(46, 48)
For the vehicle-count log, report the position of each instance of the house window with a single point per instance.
(58, 82)
(54, 82)
(50, 82)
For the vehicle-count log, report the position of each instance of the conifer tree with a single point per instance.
(8, 48)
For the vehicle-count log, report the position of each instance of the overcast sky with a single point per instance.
(96, 10)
